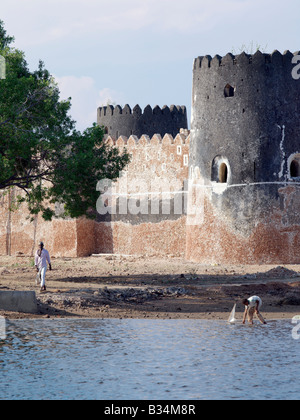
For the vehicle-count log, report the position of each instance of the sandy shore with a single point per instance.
(151, 287)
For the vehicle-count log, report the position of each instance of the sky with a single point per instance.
(141, 51)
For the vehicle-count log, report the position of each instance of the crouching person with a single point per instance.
(253, 306)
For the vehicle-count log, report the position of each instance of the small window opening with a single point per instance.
(106, 130)
(223, 173)
(295, 169)
(229, 91)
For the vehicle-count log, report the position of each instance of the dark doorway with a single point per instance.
(223, 173)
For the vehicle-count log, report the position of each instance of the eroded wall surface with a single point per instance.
(148, 203)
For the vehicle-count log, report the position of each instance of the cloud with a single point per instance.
(140, 50)
(58, 19)
(61, 19)
(86, 98)
(109, 96)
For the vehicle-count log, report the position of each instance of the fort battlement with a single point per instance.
(145, 140)
(126, 110)
(257, 59)
(126, 121)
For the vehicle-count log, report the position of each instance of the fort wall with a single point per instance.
(150, 198)
(152, 187)
(124, 121)
(19, 234)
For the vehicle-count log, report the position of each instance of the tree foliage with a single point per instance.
(41, 152)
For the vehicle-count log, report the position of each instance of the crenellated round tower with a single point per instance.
(119, 121)
(245, 159)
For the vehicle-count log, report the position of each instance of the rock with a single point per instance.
(138, 295)
(291, 299)
(177, 291)
(4, 270)
(281, 272)
(250, 277)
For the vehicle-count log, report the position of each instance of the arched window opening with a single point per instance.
(223, 174)
(229, 91)
(295, 168)
(106, 130)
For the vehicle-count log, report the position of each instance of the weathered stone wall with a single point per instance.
(62, 237)
(244, 143)
(149, 198)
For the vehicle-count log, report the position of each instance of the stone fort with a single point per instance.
(227, 191)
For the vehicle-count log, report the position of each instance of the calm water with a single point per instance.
(148, 359)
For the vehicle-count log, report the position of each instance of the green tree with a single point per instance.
(41, 152)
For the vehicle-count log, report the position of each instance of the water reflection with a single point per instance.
(148, 359)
